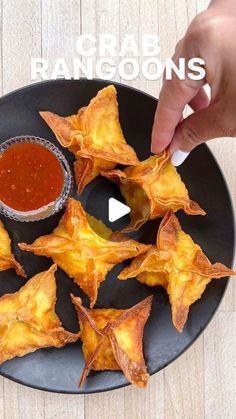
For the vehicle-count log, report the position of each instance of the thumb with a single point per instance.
(197, 128)
(175, 94)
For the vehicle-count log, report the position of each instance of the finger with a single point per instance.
(175, 94)
(165, 121)
(197, 128)
(200, 101)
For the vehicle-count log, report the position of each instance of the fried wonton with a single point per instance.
(28, 320)
(179, 265)
(151, 189)
(81, 252)
(7, 260)
(94, 135)
(112, 339)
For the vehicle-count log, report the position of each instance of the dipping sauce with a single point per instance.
(30, 177)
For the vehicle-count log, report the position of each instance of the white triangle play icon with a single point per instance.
(117, 209)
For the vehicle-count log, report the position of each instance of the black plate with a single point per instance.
(59, 369)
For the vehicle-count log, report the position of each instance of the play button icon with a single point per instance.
(103, 200)
(116, 210)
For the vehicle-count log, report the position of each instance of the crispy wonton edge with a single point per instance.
(135, 374)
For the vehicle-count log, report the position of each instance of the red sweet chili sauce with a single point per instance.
(30, 177)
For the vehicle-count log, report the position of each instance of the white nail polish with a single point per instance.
(178, 157)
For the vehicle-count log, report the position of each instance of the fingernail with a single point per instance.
(178, 157)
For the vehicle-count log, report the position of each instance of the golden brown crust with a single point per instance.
(179, 265)
(151, 189)
(112, 339)
(7, 260)
(94, 136)
(28, 320)
(83, 254)
(60, 126)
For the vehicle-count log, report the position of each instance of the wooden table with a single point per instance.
(202, 382)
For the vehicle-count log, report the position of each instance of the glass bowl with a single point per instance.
(51, 208)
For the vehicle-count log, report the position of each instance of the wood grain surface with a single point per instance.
(202, 382)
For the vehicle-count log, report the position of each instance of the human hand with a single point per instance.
(211, 36)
